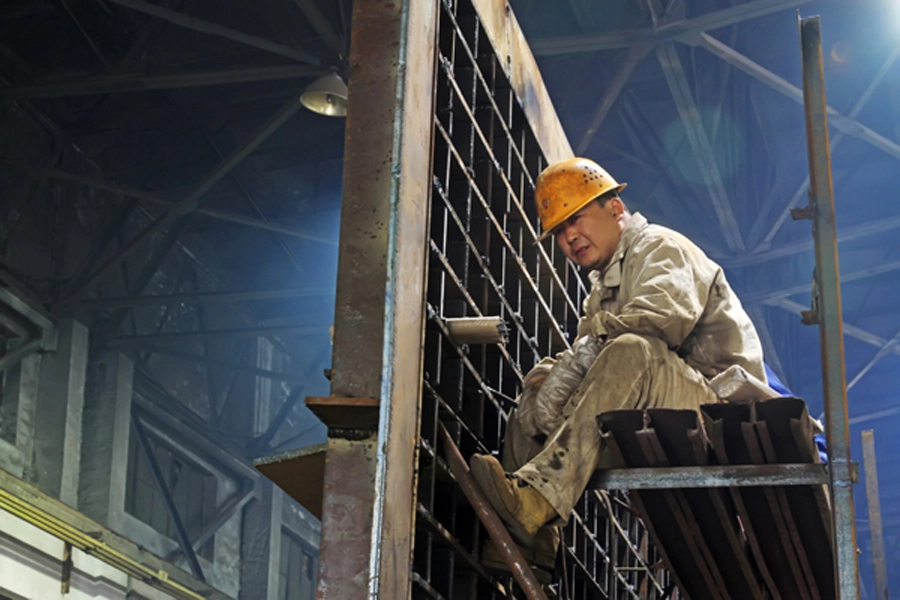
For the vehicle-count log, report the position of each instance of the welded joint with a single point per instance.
(844, 474)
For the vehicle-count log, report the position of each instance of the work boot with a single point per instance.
(519, 505)
(541, 557)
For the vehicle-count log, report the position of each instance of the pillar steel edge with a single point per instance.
(829, 310)
(369, 497)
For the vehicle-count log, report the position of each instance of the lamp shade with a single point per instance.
(327, 95)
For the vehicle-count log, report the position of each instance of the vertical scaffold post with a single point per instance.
(876, 532)
(373, 412)
(829, 314)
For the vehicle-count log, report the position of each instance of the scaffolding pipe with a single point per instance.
(827, 307)
(875, 525)
(511, 554)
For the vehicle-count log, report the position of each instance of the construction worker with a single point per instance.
(659, 323)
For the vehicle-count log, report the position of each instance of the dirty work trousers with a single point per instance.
(631, 372)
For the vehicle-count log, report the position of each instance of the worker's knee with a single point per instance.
(633, 351)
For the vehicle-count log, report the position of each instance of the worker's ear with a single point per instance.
(616, 205)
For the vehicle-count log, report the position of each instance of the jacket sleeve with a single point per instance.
(666, 296)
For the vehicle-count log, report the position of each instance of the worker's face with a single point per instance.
(589, 237)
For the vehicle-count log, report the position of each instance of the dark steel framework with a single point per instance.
(484, 262)
(469, 127)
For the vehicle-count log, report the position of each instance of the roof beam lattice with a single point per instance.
(700, 144)
(882, 352)
(190, 203)
(612, 92)
(111, 84)
(854, 112)
(840, 122)
(849, 331)
(321, 25)
(189, 22)
(668, 32)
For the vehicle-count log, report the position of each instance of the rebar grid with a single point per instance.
(484, 262)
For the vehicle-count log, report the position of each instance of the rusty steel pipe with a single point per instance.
(876, 530)
(478, 330)
(495, 527)
(828, 313)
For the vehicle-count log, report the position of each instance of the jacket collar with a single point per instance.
(611, 276)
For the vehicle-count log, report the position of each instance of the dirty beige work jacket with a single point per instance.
(659, 283)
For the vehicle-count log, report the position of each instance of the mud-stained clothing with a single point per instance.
(666, 321)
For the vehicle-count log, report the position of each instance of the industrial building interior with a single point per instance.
(169, 245)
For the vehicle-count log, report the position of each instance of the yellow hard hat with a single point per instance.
(566, 187)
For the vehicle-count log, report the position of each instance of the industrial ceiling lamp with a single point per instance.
(327, 96)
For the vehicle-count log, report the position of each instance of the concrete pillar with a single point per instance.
(105, 431)
(261, 545)
(58, 414)
(20, 386)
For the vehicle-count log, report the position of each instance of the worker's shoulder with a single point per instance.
(656, 238)
(658, 235)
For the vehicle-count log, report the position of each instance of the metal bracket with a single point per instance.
(345, 413)
(809, 317)
(803, 212)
